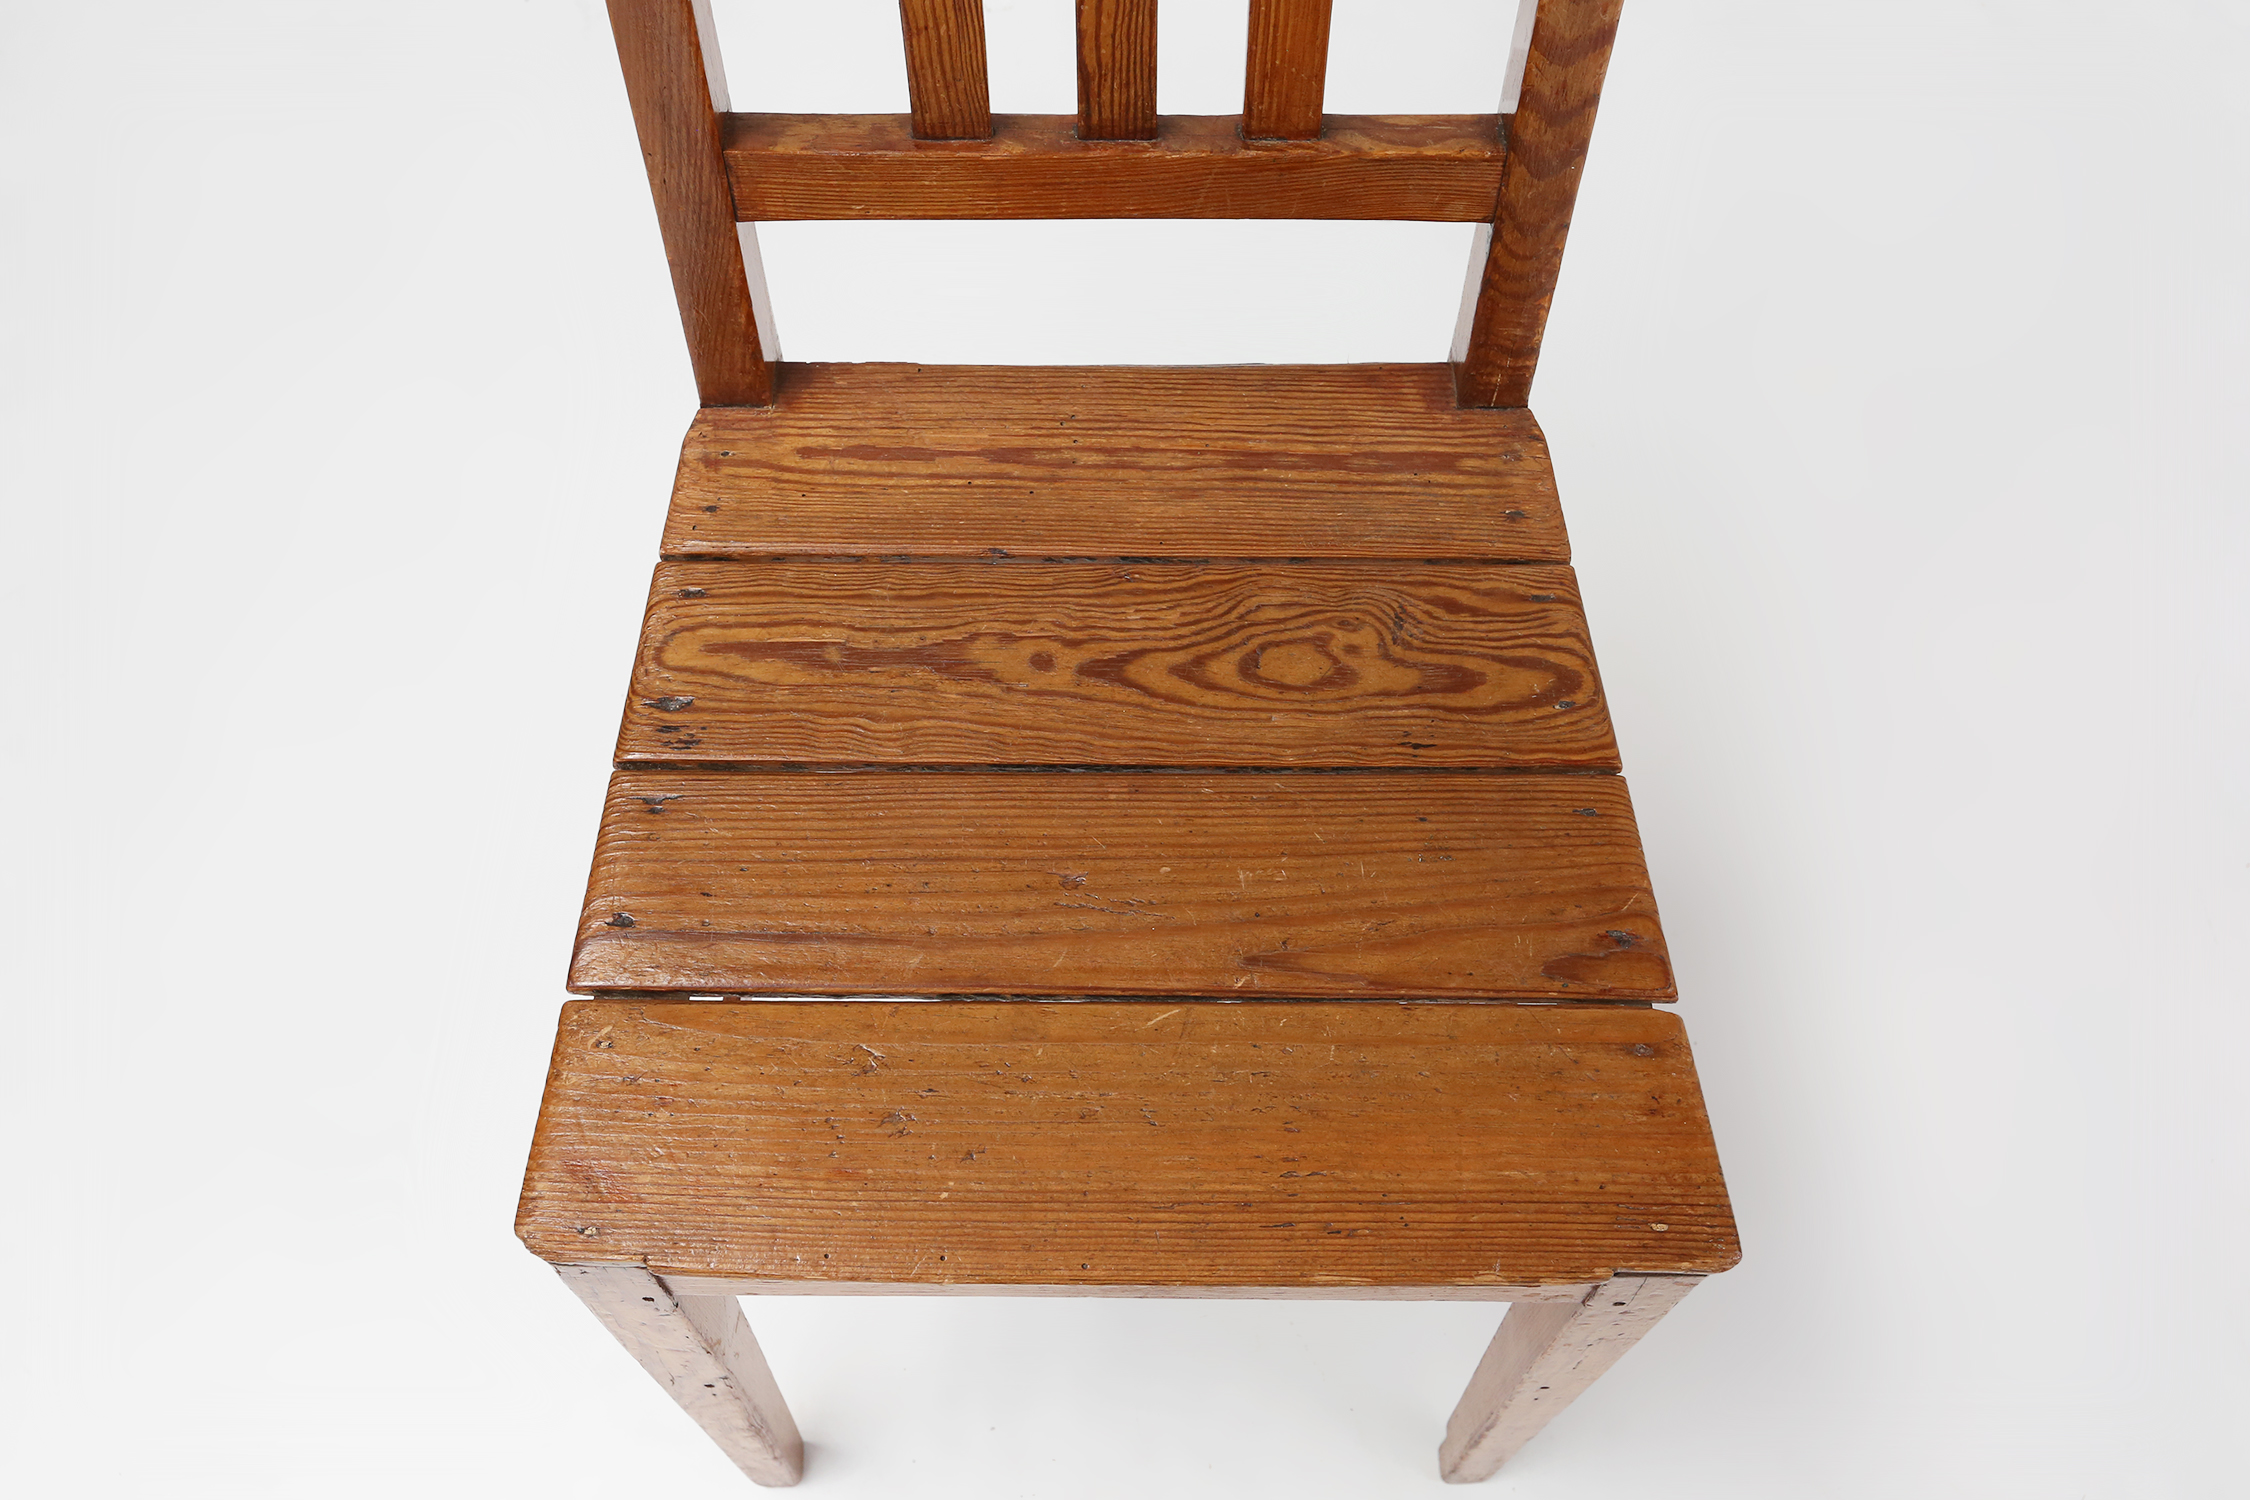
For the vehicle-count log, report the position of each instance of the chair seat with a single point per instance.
(1258, 696)
(1299, 1148)
(1302, 571)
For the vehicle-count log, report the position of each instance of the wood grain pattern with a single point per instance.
(1317, 461)
(938, 663)
(1542, 1359)
(670, 77)
(704, 1355)
(1439, 168)
(1513, 270)
(1287, 74)
(1100, 1144)
(945, 69)
(1117, 70)
(1374, 884)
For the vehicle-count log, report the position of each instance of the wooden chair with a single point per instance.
(1222, 749)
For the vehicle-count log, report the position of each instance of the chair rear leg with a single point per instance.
(700, 1350)
(1544, 1355)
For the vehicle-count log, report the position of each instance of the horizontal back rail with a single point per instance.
(1444, 168)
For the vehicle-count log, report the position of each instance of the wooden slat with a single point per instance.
(940, 663)
(1288, 69)
(1117, 70)
(676, 87)
(1438, 168)
(1512, 273)
(1371, 884)
(1093, 1145)
(1338, 461)
(945, 69)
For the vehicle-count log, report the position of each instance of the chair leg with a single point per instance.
(700, 1350)
(1544, 1355)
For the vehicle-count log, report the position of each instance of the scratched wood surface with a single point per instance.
(1312, 461)
(1106, 1143)
(1374, 884)
(1257, 664)
(1430, 168)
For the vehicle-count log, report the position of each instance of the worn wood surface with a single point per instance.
(1089, 1145)
(945, 69)
(1312, 461)
(1252, 664)
(1117, 70)
(1513, 270)
(1287, 73)
(1543, 1358)
(1438, 168)
(675, 83)
(1372, 884)
(704, 1355)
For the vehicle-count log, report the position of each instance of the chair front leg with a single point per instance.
(1544, 1355)
(702, 1351)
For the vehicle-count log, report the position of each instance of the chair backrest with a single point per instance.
(714, 173)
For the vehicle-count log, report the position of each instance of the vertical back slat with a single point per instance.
(676, 87)
(1288, 70)
(945, 69)
(1117, 70)
(1512, 274)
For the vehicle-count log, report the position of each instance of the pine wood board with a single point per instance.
(1369, 885)
(1260, 664)
(1275, 461)
(1258, 1145)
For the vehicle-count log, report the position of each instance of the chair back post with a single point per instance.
(1516, 259)
(673, 76)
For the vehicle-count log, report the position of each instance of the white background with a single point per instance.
(1896, 382)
